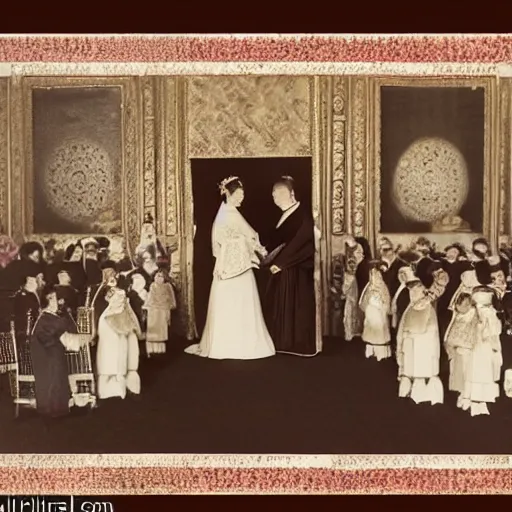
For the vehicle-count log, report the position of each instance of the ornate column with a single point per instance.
(4, 156)
(505, 132)
(358, 157)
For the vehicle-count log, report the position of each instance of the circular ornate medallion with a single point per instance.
(431, 181)
(79, 180)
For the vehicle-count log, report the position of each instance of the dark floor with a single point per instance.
(338, 402)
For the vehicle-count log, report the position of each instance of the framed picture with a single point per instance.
(76, 156)
(433, 157)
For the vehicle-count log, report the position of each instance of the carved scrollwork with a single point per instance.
(504, 158)
(4, 150)
(359, 156)
(244, 116)
(148, 99)
(339, 120)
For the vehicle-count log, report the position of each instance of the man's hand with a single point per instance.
(275, 269)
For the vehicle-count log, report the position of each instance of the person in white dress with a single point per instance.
(235, 327)
(118, 348)
(375, 303)
(418, 342)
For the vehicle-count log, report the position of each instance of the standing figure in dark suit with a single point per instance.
(423, 248)
(67, 295)
(290, 297)
(27, 302)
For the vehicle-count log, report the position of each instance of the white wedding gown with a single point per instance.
(235, 327)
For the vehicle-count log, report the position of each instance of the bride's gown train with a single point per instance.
(235, 327)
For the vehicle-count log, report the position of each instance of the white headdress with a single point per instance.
(225, 182)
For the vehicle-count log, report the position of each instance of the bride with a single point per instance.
(235, 328)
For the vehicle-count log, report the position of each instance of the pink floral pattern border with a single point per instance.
(271, 48)
(450, 474)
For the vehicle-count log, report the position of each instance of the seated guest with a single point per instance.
(53, 334)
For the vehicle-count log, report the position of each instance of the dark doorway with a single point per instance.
(258, 176)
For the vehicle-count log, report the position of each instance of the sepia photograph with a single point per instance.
(245, 275)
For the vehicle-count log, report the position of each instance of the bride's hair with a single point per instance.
(230, 185)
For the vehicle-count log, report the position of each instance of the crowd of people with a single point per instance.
(439, 314)
(60, 304)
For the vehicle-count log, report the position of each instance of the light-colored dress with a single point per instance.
(159, 304)
(484, 365)
(418, 346)
(117, 358)
(459, 341)
(235, 327)
(376, 304)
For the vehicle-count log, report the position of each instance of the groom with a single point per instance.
(290, 298)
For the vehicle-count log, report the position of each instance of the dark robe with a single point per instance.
(390, 276)
(50, 364)
(290, 298)
(423, 271)
(70, 296)
(77, 274)
(93, 273)
(26, 304)
(136, 303)
(483, 271)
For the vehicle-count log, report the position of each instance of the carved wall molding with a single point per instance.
(357, 166)
(147, 87)
(17, 167)
(339, 145)
(4, 155)
(21, 168)
(505, 163)
(244, 116)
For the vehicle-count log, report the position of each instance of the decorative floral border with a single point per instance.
(262, 54)
(258, 48)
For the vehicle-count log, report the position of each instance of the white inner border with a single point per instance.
(253, 68)
(340, 462)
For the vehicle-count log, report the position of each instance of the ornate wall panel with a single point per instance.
(338, 123)
(4, 155)
(505, 135)
(21, 168)
(358, 205)
(17, 167)
(491, 174)
(147, 86)
(247, 116)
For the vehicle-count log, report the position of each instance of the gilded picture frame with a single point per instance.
(21, 175)
(491, 180)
